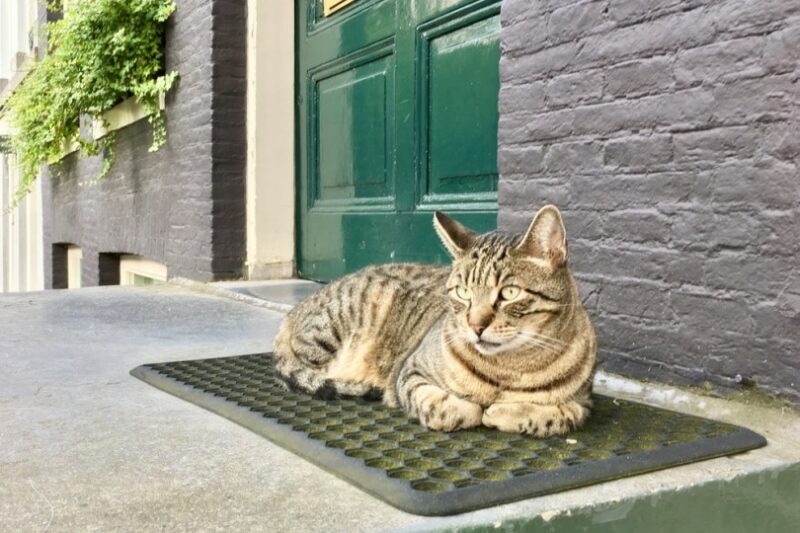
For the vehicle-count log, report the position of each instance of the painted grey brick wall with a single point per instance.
(185, 204)
(668, 132)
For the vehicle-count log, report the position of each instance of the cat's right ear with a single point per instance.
(456, 237)
(546, 238)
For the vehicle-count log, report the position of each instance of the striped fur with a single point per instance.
(500, 339)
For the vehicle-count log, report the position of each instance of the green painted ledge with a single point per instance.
(765, 502)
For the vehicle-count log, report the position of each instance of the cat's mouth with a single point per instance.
(487, 344)
(487, 347)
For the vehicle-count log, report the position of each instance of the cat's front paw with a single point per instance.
(538, 420)
(449, 413)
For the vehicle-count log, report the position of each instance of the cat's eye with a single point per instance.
(463, 292)
(510, 292)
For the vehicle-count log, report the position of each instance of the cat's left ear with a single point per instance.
(456, 237)
(546, 238)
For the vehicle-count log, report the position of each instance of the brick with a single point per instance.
(642, 225)
(703, 312)
(512, 128)
(548, 6)
(703, 229)
(673, 267)
(575, 88)
(576, 21)
(684, 109)
(747, 273)
(648, 343)
(550, 126)
(641, 190)
(650, 38)
(736, 230)
(538, 65)
(692, 229)
(789, 298)
(781, 140)
(528, 195)
(706, 148)
(781, 230)
(513, 14)
(728, 359)
(574, 156)
(510, 220)
(638, 151)
(626, 12)
(782, 48)
(526, 36)
(753, 100)
(640, 77)
(743, 18)
(707, 64)
(584, 224)
(767, 183)
(526, 160)
(528, 97)
(638, 301)
(589, 294)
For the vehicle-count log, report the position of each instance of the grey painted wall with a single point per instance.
(669, 133)
(185, 204)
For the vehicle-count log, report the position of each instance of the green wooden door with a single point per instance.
(397, 117)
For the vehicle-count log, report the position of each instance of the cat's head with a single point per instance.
(507, 291)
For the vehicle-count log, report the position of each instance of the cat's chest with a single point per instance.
(465, 380)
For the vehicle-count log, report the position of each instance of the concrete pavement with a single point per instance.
(86, 447)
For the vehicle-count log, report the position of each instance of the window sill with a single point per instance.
(127, 112)
(138, 270)
(121, 115)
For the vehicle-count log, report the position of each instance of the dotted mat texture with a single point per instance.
(425, 472)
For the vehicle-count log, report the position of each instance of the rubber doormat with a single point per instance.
(424, 472)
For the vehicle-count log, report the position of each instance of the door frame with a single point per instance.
(271, 131)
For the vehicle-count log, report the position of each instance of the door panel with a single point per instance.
(353, 117)
(460, 113)
(397, 116)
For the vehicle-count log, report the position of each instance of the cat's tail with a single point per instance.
(298, 376)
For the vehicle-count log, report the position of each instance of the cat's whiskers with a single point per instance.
(546, 338)
(449, 339)
(540, 342)
(545, 347)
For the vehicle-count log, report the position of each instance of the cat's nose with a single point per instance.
(478, 329)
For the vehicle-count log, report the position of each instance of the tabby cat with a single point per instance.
(500, 339)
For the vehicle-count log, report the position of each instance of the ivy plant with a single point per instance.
(99, 53)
